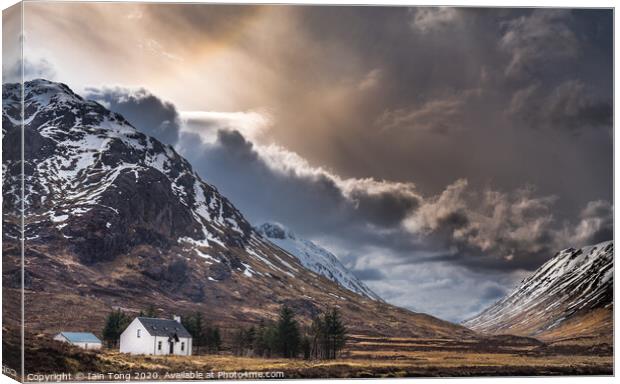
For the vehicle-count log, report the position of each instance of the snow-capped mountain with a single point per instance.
(114, 218)
(573, 290)
(85, 164)
(315, 258)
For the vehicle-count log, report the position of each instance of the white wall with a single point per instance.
(92, 346)
(130, 343)
(147, 344)
(60, 337)
(165, 347)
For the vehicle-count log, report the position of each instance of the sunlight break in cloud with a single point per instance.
(250, 124)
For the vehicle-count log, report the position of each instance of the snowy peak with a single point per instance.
(315, 258)
(275, 231)
(574, 283)
(116, 217)
(90, 174)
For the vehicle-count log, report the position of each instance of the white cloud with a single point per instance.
(426, 20)
(250, 124)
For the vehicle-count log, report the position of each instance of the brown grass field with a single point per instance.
(364, 357)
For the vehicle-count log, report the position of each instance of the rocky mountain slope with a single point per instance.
(569, 297)
(115, 219)
(315, 258)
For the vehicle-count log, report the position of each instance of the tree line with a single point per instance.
(324, 339)
(203, 334)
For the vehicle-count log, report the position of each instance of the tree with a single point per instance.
(287, 333)
(213, 339)
(150, 311)
(317, 338)
(261, 346)
(250, 338)
(194, 325)
(306, 346)
(265, 340)
(327, 335)
(115, 324)
(238, 342)
(336, 333)
(244, 341)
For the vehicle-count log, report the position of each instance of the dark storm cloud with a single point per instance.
(596, 224)
(432, 144)
(571, 106)
(482, 230)
(145, 111)
(310, 203)
(478, 228)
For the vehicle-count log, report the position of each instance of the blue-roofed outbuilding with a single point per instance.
(85, 340)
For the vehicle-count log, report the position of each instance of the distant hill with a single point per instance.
(569, 298)
(315, 258)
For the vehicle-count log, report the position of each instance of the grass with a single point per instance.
(363, 357)
(383, 358)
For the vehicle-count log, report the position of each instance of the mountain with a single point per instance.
(315, 258)
(116, 219)
(570, 297)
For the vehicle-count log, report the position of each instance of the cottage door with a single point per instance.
(171, 347)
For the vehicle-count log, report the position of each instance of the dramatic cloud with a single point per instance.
(378, 228)
(596, 225)
(449, 150)
(538, 40)
(489, 227)
(571, 106)
(249, 124)
(144, 110)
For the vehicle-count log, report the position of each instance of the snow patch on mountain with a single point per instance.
(80, 151)
(315, 258)
(574, 280)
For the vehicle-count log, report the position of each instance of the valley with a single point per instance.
(116, 220)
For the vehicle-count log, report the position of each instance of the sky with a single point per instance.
(442, 154)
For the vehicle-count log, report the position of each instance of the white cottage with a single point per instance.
(150, 336)
(85, 340)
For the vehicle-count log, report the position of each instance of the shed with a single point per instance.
(85, 340)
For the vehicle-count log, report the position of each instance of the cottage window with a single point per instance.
(139, 332)
(159, 345)
(182, 346)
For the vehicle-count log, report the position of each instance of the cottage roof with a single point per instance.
(80, 337)
(163, 327)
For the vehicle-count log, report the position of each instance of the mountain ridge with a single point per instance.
(315, 258)
(115, 219)
(574, 285)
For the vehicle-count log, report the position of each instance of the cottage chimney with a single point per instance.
(177, 318)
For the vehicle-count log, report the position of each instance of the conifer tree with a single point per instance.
(213, 339)
(194, 325)
(287, 333)
(336, 333)
(115, 324)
